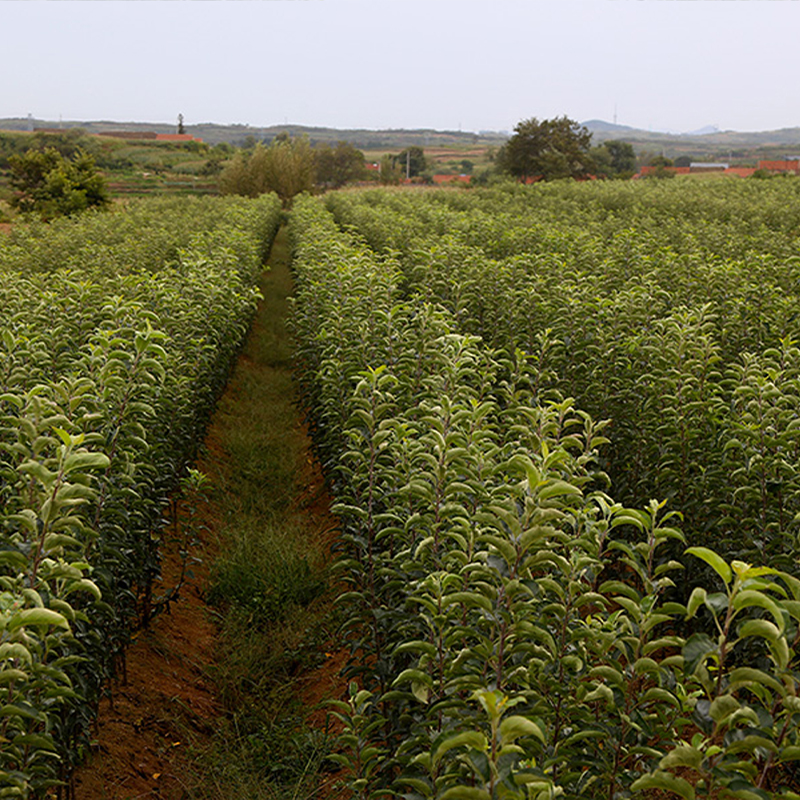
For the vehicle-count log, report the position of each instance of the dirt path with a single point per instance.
(167, 708)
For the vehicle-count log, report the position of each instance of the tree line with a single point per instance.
(289, 166)
(63, 177)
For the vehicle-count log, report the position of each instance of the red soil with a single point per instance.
(167, 700)
(163, 697)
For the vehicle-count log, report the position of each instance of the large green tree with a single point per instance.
(52, 185)
(614, 159)
(411, 161)
(548, 149)
(336, 166)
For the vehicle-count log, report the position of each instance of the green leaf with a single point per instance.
(791, 753)
(515, 726)
(723, 706)
(631, 516)
(64, 436)
(15, 650)
(465, 793)
(24, 710)
(84, 585)
(469, 599)
(417, 646)
(716, 562)
(617, 587)
(9, 674)
(744, 790)
(38, 471)
(654, 693)
(472, 739)
(750, 743)
(558, 489)
(601, 692)
(742, 676)
(85, 460)
(697, 598)
(665, 781)
(422, 787)
(35, 740)
(749, 598)
(37, 616)
(684, 755)
(759, 627)
(645, 666)
(609, 674)
(415, 675)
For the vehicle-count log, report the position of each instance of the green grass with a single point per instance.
(269, 585)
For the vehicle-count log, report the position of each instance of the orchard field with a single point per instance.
(118, 331)
(561, 423)
(561, 426)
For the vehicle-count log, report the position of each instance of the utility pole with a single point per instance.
(408, 164)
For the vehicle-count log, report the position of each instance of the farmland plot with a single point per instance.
(117, 335)
(501, 382)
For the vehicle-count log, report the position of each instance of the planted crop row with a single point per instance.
(109, 367)
(669, 309)
(515, 631)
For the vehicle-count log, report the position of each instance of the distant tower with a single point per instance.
(30, 122)
(615, 113)
(181, 129)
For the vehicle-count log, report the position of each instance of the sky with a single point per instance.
(662, 65)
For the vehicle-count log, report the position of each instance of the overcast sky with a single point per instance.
(473, 65)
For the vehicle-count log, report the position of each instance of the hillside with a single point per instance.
(728, 145)
(214, 133)
(706, 143)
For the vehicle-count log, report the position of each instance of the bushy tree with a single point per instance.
(52, 185)
(661, 161)
(663, 167)
(547, 149)
(389, 174)
(411, 161)
(286, 167)
(336, 166)
(614, 159)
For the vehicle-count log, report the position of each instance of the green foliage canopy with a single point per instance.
(52, 185)
(286, 167)
(550, 149)
(390, 174)
(614, 159)
(336, 166)
(531, 637)
(411, 161)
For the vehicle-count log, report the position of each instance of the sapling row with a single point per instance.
(515, 631)
(117, 334)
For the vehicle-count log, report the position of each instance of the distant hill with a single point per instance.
(214, 133)
(601, 129)
(706, 143)
(703, 144)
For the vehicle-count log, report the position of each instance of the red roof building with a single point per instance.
(444, 179)
(785, 165)
(176, 137)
